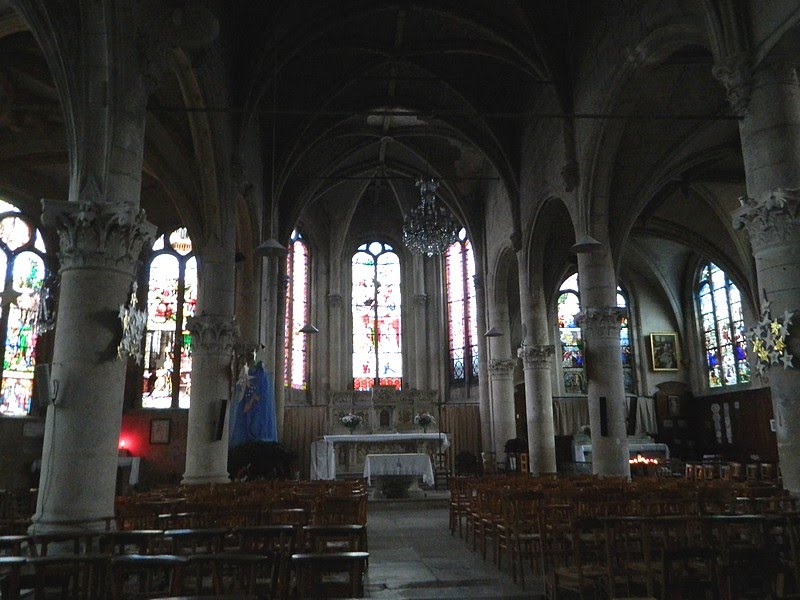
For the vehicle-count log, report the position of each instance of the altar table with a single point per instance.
(417, 465)
(345, 455)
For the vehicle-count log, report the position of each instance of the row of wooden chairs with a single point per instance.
(733, 471)
(326, 509)
(491, 512)
(197, 561)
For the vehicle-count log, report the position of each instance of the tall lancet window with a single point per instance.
(462, 325)
(377, 348)
(572, 357)
(171, 300)
(724, 336)
(294, 373)
(22, 265)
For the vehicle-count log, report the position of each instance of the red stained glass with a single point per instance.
(295, 348)
(462, 325)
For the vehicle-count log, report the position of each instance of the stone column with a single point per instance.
(536, 363)
(335, 348)
(773, 223)
(536, 354)
(280, 345)
(606, 393)
(504, 426)
(213, 338)
(100, 245)
(420, 341)
(769, 99)
(487, 437)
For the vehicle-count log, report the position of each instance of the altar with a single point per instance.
(345, 455)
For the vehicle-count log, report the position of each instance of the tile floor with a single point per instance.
(413, 555)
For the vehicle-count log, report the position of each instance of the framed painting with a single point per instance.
(664, 351)
(160, 431)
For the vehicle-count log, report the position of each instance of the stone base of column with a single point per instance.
(205, 478)
(88, 526)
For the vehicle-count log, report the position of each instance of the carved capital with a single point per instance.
(478, 280)
(502, 368)
(212, 334)
(98, 235)
(774, 220)
(334, 300)
(736, 74)
(535, 357)
(420, 300)
(602, 321)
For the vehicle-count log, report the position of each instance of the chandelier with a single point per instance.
(429, 228)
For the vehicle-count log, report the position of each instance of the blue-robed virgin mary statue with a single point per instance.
(253, 412)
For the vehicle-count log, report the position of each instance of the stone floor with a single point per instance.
(413, 555)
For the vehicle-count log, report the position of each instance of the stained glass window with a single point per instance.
(463, 330)
(724, 336)
(22, 264)
(572, 363)
(377, 349)
(171, 300)
(296, 313)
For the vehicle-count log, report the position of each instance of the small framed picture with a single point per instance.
(160, 431)
(664, 351)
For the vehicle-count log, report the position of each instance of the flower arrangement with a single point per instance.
(424, 420)
(352, 420)
(585, 430)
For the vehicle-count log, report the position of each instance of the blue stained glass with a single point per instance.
(723, 328)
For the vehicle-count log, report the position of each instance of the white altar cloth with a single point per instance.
(389, 437)
(323, 452)
(418, 465)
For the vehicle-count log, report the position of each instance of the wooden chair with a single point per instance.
(330, 575)
(131, 541)
(136, 576)
(518, 534)
(10, 576)
(227, 574)
(334, 538)
(588, 570)
(278, 541)
(75, 576)
(460, 498)
(185, 542)
(441, 469)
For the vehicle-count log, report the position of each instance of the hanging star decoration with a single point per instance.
(769, 339)
(133, 322)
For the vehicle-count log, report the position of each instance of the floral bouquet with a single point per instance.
(352, 420)
(424, 420)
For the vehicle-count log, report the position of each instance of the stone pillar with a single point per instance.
(280, 345)
(606, 393)
(213, 338)
(336, 347)
(773, 223)
(100, 245)
(770, 133)
(487, 437)
(536, 354)
(536, 363)
(420, 341)
(504, 426)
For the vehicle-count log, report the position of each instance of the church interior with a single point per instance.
(496, 258)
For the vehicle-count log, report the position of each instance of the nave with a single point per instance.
(413, 555)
